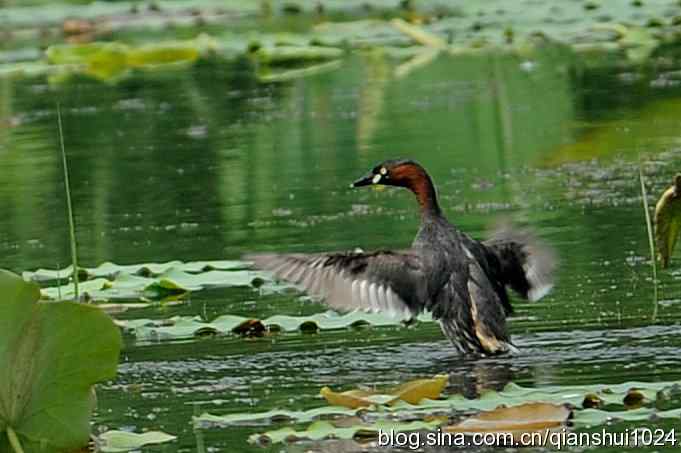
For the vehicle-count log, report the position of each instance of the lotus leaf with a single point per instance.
(119, 441)
(51, 355)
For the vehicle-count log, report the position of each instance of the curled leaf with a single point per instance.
(354, 399)
(668, 221)
(414, 391)
(411, 392)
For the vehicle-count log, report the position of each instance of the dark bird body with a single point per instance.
(460, 280)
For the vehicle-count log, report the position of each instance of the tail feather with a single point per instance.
(526, 264)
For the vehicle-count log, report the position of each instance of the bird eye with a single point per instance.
(384, 171)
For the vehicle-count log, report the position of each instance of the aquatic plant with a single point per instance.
(668, 221)
(51, 356)
(513, 410)
(69, 208)
(651, 243)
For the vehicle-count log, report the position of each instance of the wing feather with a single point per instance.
(471, 312)
(386, 281)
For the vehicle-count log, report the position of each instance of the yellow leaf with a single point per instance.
(524, 418)
(414, 391)
(668, 221)
(352, 399)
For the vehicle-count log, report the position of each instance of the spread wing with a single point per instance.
(382, 281)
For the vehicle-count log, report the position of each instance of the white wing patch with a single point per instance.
(538, 274)
(375, 297)
(338, 289)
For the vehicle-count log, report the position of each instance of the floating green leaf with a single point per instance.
(171, 283)
(514, 410)
(275, 415)
(325, 430)
(111, 270)
(615, 27)
(51, 355)
(119, 441)
(184, 326)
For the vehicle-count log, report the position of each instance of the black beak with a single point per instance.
(365, 180)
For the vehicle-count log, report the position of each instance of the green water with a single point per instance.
(208, 163)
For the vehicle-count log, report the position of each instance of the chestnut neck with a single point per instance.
(421, 185)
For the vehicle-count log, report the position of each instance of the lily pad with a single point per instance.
(51, 355)
(186, 326)
(325, 430)
(597, 417)
(119, 441)
(514, 410)
(264, 418)
(171, 283)
(111, 270)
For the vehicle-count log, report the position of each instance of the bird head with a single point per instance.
(393, 172)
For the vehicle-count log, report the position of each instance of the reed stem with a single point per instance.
(651, 242)
(69, 208)
(14, 440)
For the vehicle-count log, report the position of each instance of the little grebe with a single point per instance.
(461, 281)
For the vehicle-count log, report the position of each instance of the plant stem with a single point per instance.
(69, 208)
(651, 242)
(58, 283)
(14, 440)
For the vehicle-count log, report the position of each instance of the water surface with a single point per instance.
(208, 163)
